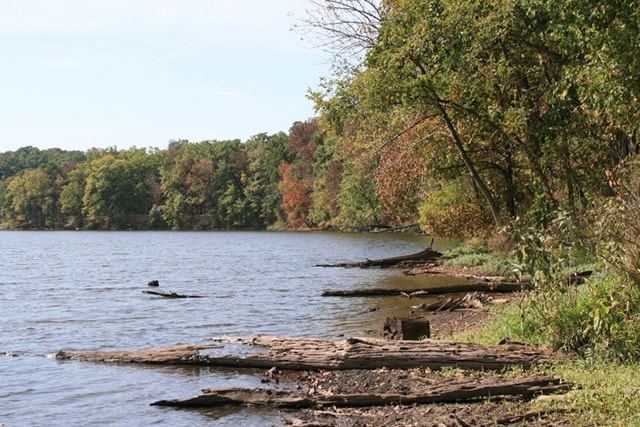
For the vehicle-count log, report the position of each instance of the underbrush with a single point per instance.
(606, 392)
(595, 323)
(481, 258)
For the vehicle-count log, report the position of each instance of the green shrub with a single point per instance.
(618, 222)
(485, 263)
(454, 211)
(598, 319)
(478, 256)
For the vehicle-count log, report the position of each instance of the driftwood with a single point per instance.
(575, 278)
(497, 287)
(177, 355)
(472, 301)
(406, 328)
(422, 257)
(383, 229)
(319, 354)
(448, 391)
(171, 294)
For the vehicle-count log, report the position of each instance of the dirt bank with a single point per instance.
(444, 325)
(486, 412)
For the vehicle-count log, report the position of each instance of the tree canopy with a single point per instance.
(524, 105)
(459, 116)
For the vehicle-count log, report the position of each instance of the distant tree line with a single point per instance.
(460, 116)
(294, 180)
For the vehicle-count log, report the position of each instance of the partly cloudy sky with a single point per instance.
(78, 74)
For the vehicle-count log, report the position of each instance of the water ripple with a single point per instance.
(83, 291)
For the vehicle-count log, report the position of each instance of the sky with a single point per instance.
(81, 74)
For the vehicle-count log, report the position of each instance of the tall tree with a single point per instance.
(265, 155)
(507, 83)
(71, 196)
(29, 199)
(297, 177)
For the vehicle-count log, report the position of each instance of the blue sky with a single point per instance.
(78, 74)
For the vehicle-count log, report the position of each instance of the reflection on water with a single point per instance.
(83, 291)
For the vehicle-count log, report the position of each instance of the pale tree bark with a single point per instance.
(346, 29)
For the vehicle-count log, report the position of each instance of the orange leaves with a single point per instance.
(296, 195)
(401, 172)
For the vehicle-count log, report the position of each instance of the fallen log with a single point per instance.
(496, 287)
(177, 355)
(383, 229)
(319, 354)
(472, 301)
(171, 294)
(421, 257)
(449, 391)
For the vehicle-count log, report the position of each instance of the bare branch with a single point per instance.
(344, 28)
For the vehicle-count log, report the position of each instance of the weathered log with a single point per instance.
(383, 229)
(406, 328)
(171, 294)
(448, 391)
(319, 354)
(177, 355)
(399, 261)
(473, 301)
(497, 287)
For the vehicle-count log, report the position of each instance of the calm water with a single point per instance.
(83, 291)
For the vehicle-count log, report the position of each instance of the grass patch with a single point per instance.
(606, 393)
(495, 329)
(480, 259)
(485, 263)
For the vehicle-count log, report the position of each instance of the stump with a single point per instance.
(407, 328)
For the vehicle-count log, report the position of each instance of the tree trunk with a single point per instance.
(399, 261)
(455, 390)
(171, 294)
(477, 179)
(407, 328)
(499, 287)
(472, 301)
(320, 354)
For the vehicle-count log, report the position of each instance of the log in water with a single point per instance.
(320, 354)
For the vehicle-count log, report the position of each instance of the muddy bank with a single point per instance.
(485, 412)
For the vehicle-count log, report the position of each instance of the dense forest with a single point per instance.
(460, 116)
(294, 180)
(265, 182)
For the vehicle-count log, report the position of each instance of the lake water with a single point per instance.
(83, 291)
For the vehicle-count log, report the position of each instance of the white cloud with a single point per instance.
(227, 94)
